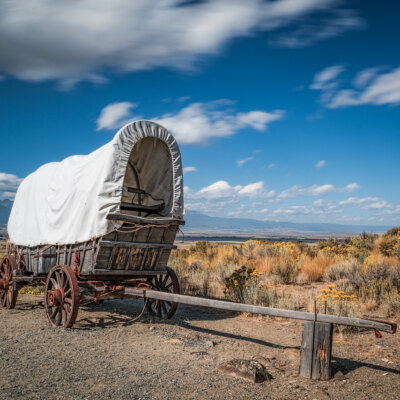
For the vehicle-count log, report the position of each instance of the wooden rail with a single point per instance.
(145, 220)
(275, 312)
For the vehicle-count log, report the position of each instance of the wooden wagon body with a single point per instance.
(92, 226)
(140, 247)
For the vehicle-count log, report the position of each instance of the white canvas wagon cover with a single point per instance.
(67, 202)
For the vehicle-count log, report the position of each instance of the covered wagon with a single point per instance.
(89, 227)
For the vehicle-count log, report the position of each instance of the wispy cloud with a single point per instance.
(244, 161)
(115, 115)
(379, 89)
(356, 201)
(333, 25)
(320, 164)
(316, 190)
(125, 36)
(326, 79)
(189, 169)
(370, 86)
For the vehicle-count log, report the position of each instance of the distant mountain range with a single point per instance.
(198, 223)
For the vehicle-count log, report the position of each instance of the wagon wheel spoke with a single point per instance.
(169, 285)
(58, 317)
(53, 312)
(58, 279)
(164, 308)
(65, 285)
(63, 316)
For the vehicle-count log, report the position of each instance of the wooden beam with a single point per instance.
(139, 245)
(145, 220)
(124, 272)
(274, 312)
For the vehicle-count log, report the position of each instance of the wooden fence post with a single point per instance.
(316, 350)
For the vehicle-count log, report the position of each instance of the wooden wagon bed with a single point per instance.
(141, 246)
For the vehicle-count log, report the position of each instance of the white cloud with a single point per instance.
(72, 41)
(370, 86)
(244, 161)
(252, 190)
(271, 166)
(189, 169)
(315, 190)
(9, 182)
(326, 79)
(382, 89)
(320, 164)
(115, 115)
(356, 201)
(378, 205)
(199, 122)
(271, 194)
(365, 76)
(222, 189)
(350, 187)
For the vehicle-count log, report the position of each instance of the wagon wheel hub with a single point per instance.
(55, 298)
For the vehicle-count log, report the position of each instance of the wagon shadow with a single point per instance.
(125, 312)
(29, 306)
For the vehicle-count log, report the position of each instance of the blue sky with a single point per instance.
(284, 110)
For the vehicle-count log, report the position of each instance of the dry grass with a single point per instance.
(314, 268)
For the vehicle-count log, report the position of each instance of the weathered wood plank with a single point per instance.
(306, 350)
(117, 272)
(275, 312)
(144, 220)
(322, 351)
(119, 243)
(316, 350)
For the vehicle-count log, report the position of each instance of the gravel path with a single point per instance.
(106, 355)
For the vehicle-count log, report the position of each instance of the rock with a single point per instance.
(209, 343)
(250, 370)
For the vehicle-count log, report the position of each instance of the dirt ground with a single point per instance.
(106, 355)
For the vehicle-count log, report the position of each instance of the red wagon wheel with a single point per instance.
(165, 283)
(8, 296)
(61, 296)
